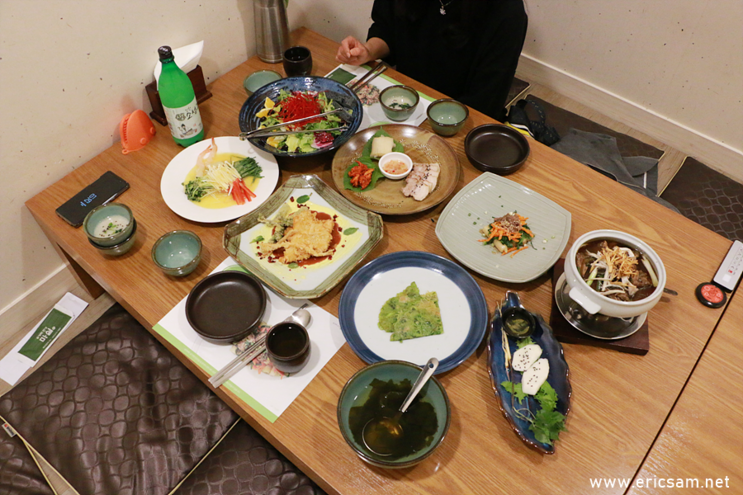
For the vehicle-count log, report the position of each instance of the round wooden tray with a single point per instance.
(386, 197)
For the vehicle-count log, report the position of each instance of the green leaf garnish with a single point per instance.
(303, 199)
(350, 230)
(515, 389)
(547, 426)
(366, 159)
(524, 342)
(257, 239)
(547, 397)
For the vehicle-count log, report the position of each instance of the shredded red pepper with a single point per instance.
(241, 193)
(299, 106)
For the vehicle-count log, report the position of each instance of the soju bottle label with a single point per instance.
(184, 122)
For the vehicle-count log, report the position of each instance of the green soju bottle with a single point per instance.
(179, 101)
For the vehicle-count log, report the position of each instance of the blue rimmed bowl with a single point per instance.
(341, 95)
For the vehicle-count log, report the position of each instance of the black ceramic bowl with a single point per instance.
(224, 307)
(288, 346)
(496, 148)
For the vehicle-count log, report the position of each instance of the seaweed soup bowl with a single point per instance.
(592, 301)
(367, 385)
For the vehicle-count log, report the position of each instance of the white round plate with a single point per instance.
(464, 311)
(171, 183)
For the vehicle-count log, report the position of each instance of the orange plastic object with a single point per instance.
(136, 130)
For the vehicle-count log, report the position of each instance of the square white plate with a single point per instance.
(491, 196)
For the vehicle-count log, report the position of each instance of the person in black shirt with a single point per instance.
(466, 49)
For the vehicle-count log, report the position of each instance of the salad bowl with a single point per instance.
(337, 93)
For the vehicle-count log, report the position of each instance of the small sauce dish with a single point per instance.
(109, 225)
(399, 102)
(395, 165)
(258, 79)
(177, 253)
(447, 116)
(122, 247)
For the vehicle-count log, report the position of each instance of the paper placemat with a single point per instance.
(268, 395)
(373, 114)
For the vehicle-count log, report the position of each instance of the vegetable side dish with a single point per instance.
(220, 180)
(508, 234)
(543, 419)
(410, 315)
(297, 105)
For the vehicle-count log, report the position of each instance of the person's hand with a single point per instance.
(353, 52)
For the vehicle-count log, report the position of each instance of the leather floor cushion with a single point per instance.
(116, 413)
(708, 197)
(563, 120)
(19, 473)
(244, 463)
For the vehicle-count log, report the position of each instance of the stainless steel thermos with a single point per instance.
(271, 29)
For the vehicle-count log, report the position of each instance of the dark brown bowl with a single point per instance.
(226, 306)
(496, 148)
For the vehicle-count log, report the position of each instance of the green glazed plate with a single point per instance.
(362, 230)
(491, 196)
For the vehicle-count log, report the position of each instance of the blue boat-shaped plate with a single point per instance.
(558, 375)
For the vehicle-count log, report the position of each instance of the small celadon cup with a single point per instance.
(447, 116)
(177, 253)
(109, 225)
(399, 102)
(258, 79)
(122, 247)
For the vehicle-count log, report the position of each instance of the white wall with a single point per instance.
(69, 70)
(673, 69)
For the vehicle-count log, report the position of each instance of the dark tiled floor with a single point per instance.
(708, 197)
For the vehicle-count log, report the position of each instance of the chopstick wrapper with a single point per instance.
(374, 114)
(35, 344)
(269, 395)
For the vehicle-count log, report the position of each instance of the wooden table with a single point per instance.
(703, 436)
(620, 401)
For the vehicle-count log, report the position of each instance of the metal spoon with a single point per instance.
(382, 434)
(301, 316)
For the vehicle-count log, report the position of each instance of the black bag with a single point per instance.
(539, 129)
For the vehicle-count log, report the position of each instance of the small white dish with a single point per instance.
(402, 157)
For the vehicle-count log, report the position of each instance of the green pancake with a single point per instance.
(410, 315)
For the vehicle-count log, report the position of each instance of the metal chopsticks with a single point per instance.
(250, 353)
(241, 360)
(250, 134)
(286, 133)
(369, 76)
